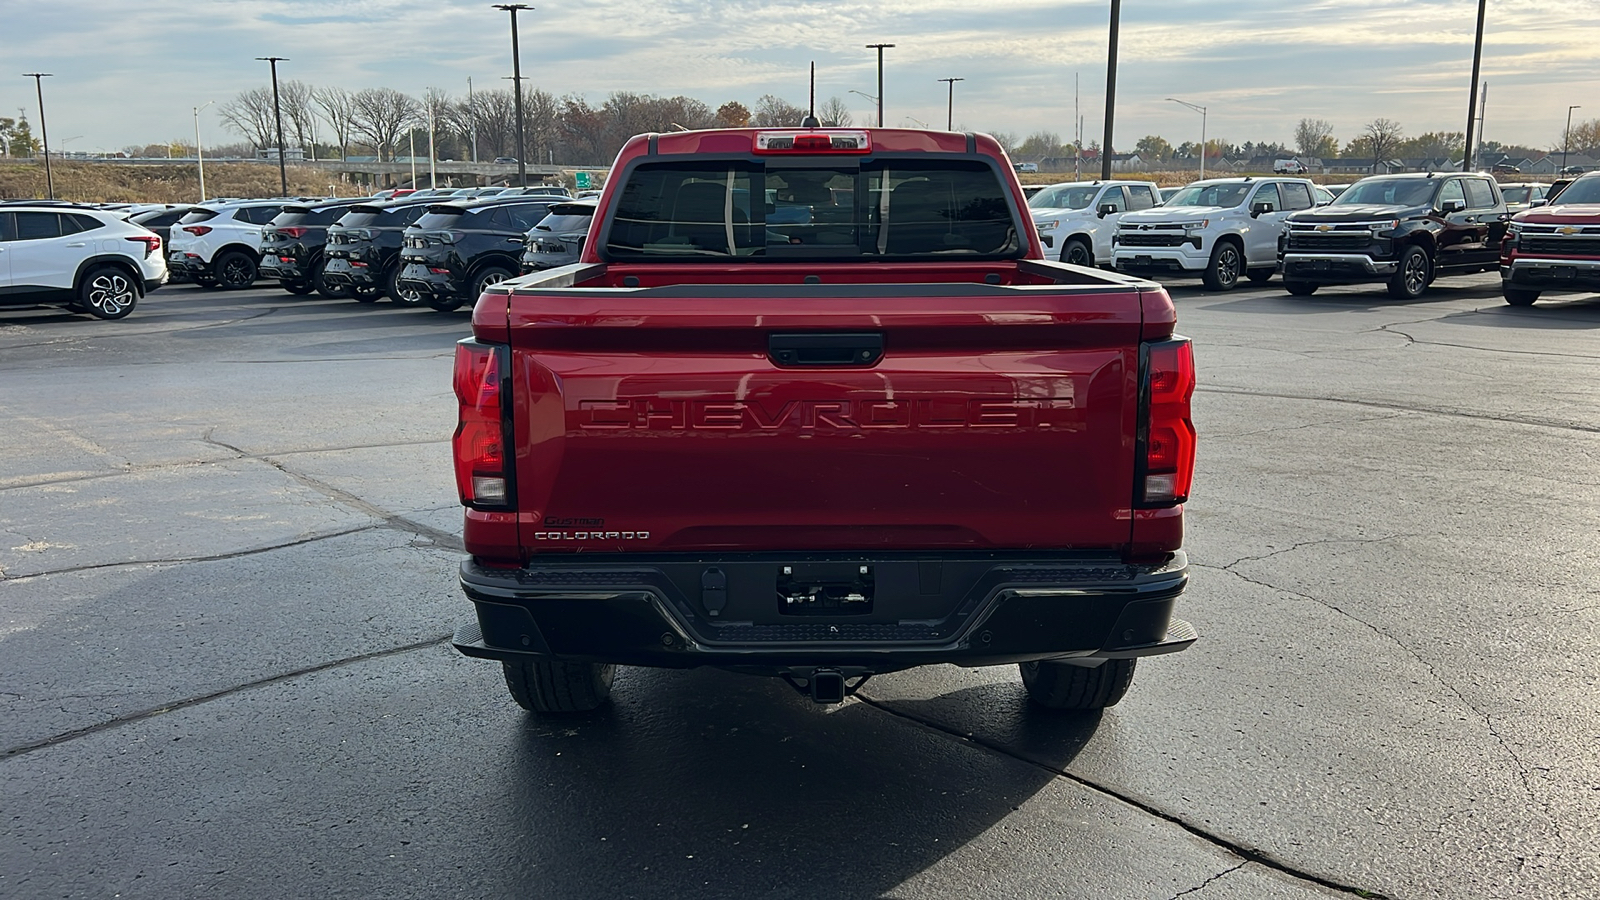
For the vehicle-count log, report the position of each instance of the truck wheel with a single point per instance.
(366, 294)
(1520, 296)
(107, 293)
(559, 687)
(1301, 288)
(1261, 276)
(443, 304)
(491, 275)
(1411, 278)
(298, 288)
(1077, 253)
(1223, 272)
(330, 291)
(234, 270)
(1058, 685)
(397, 293)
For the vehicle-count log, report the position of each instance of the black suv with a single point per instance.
(364, 248)
(1405, 230)
(457, 249)
(558, 240)
(292, 246)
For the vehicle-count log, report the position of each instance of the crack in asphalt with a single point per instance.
(179, 560)
(1488, 721)
(1247, 854)
(1321, 542)
(153, 332)
(1215, 435)
(1202, 885)
(128, 718)
(390, 520)
(1507, 418)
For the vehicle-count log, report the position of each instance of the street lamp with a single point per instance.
(1202, 111)
(950, 113)
(44, 135)
(199, 154)
(880, 48)
(1565, 136)
(516, 81)
(277, 114)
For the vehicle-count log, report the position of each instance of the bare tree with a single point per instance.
(382, 116)
(835, 113)
(1313, 136)
(585, 127)
(338, 108)
(775, 112)
(250, 116)
(299, 113)
(1382, 135)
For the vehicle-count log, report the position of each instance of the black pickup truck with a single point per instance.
(1405, 230)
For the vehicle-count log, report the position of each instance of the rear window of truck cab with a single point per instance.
(813, 208)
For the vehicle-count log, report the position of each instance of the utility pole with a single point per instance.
(1565, 136)
(277, 114)
(880, 48)
(1202, 111)
(1483, 113)
(950, 114)
(1111, 93)
(516, 82)
(44, 135)
(199, 153)
(1472, 99)
(1077, 137)
(472, 110)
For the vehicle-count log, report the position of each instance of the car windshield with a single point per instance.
(197, 215)
(1066, 196)
(359, 216)
(1584, 190)
(564, 224)
(814, 208)
(1516, 194)
(1389, 192)
(439, 217)
(1226, 196)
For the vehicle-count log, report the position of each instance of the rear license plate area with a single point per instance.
(825, 589)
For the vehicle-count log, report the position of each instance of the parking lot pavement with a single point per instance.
(227, 551)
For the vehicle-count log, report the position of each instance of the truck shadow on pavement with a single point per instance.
(707, 784)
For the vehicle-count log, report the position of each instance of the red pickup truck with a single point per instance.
(1554, 247)
(813, 405)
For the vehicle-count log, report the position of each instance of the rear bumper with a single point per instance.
(1552, 273)
(988, 609)
(421, 278)
(273, 266)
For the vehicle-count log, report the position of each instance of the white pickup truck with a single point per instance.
(1077, 219)
(1218, 229)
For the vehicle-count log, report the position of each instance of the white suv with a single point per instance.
(88, 260)
(1077, 218)
(1218, 229)
(219, 246)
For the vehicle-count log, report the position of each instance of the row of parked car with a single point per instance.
(1401, 230)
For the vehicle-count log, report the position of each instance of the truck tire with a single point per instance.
(1411, 279)
(1077, 253)
(559, 687)
(234, 270)
(366, 293)
(398, 294)
(298, 288)
(1301, 288)
(330, 291)
(1261, 276)
(1520, 296)
(1222, 273)
(1058, 685)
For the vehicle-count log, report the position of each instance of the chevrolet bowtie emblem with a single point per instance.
(1324, 227)
(1569, 229)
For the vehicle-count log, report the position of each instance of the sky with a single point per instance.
(130, 73)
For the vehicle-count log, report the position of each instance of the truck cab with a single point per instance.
(1219, 229)
(1077, 219)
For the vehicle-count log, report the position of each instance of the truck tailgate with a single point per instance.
(692, 418)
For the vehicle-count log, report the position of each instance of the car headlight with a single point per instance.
(1383, 228)
(1048, 225)
(1513, 229)
(1194, 229)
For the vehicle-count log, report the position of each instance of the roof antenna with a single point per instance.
(810, 121)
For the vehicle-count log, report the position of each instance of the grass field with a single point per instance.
(103, 183)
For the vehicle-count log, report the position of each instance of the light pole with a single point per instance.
(950, 113)
(277, 115)
(1111, 91)
(516, 83)
(199, 153)
(865, 94)
(44, 135)
(1472, 95)
(1202, 111)
(880, 48)
(1565, 136)
(472, 110)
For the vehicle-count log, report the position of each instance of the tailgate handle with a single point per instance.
(859, 349)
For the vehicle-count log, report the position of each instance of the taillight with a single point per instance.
(293, 231)
(482, 476)
(1168, 439)
(198, 230)
(152, 242)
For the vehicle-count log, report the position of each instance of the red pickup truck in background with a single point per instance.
(813, 405)
(1555, 247)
